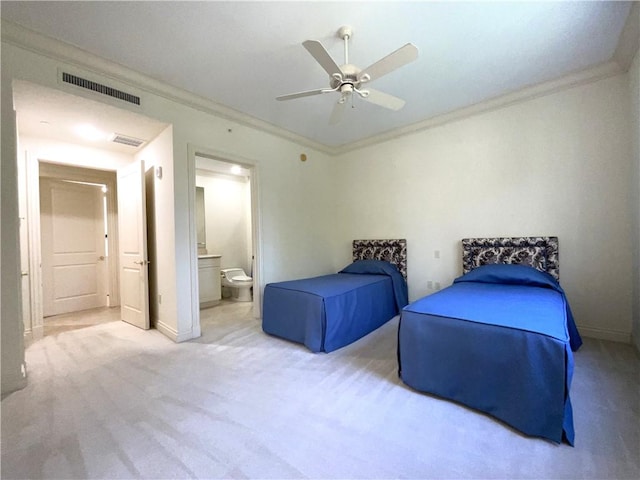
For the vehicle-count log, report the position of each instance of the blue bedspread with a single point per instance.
(499, 340)
(330, 311)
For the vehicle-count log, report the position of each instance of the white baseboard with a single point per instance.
(171, 333)
(33, 334)
(611, 335)
(37, 332)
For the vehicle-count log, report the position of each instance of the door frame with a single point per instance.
(89, 199)
(36, 167)
(256, 223)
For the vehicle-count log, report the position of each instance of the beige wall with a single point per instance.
(634, 85)
(554, 165)
(158, 153)
(13, 377)
(48, 150)
(227, 218)
(296, 198)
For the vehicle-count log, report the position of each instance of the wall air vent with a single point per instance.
(125, 140)
(99, 88)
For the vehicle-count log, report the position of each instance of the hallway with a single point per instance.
(86, 318)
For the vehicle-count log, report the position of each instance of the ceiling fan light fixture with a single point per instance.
(347, 78)
(346, 88)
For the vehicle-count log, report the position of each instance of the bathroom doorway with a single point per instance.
(227, 189)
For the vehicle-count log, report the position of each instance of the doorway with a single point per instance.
(70, 137)
(240, 238)
(74, 248)
(71, 235)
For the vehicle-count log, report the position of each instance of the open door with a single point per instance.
(132, 235)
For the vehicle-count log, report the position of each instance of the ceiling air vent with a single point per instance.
(99, 88)
(124, 140)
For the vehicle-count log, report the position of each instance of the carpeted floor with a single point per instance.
(112, 401)
(73, 321)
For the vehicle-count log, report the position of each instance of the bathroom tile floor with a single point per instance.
(224, 320)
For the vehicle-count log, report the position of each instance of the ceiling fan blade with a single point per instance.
(338, 111)
(308, 93)
(318, 52)
(384, 99)
(397, 59)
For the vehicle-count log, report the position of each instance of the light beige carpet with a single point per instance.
(112, 401)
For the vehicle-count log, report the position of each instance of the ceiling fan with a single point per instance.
(348, 79)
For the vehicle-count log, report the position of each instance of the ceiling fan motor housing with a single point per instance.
(349, 76)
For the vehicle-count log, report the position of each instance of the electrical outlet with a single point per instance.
(430, 285)
(436, 253)
(159, 299)
(437, 285)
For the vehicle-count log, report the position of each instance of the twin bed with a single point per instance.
(499, 339)
(331, 311)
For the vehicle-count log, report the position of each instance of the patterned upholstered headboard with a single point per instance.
(538, 252)
(393, 251)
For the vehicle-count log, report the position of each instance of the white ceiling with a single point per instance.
(244, 54)
(46, 113)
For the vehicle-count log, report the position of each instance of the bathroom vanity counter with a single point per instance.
(209, 280)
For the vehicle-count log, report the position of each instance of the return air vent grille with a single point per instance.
(99, 88)
(123, 139)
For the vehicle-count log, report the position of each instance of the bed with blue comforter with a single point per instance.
(328, 312)
(500, 340)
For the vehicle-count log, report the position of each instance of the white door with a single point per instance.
(132, 235)
(73, 246)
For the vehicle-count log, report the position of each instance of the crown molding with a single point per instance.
(629, 41)
(582, 77)
(30, 40)
(38, 43)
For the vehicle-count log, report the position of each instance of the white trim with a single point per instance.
(34, 334)
(629, 40)
(603, 334)
(256, 217)
(193, 242)
(114, 249)
(172, 334)
(256, 242)
(167, 331)
(35, 254)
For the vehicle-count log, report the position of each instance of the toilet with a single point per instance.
(238, 283)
